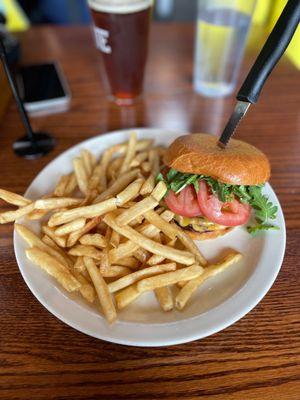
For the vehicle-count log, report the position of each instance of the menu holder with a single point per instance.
(5, 93)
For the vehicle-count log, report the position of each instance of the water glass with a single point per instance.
(221, 34)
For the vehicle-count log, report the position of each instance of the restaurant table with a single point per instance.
(257, 357)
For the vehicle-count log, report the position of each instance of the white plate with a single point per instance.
(220, 302)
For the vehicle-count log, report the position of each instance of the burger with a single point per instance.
(212, 190)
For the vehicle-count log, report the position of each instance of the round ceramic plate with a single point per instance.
(219, 302)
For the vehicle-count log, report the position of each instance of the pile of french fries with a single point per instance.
(105, 233)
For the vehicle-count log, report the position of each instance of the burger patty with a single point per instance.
(198, 224)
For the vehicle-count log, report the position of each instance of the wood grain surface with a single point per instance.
(256, 358)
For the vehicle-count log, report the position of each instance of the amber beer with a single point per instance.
(121, 30)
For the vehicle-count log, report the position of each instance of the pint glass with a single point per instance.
(121, 29)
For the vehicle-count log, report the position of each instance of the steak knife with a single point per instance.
(268, 57)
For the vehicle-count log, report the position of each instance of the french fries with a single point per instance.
(13, 198)
(53, 268)
(106, 234)
(130, 153)
(104, 296)
(169, 278)
(189, 288)
(59, 202)
(139, 159)
(126, 296)
(95, 179)
(105, 261)
(50, 242)
(155, 219)
(79, 265)
(88, 160)
(86, 289)
(141, 255)
(34, 241)
(146, 166)
(128, 248)
(61, 185)
(115, 271)
(36, 214)
(124, 250)
(129, 193)
(113, 171)
(154, 161)
(115, 239)
(180, 256)
(190, 245)
(149, 184)
(159, 191)
(10, 216)
(120, 184)
(88, 251)
(59, 240)
(71, 185)
(76, 235)
(91, 211)
(164, 297)
(140, 208)
(70, 227)
(120, 149)
(93, 239)
(81, 174)
(142, 273)
(155, 259)
(130, 262)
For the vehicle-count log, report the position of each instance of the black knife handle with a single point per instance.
(273, 49)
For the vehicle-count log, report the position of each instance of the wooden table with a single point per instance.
(258, 357)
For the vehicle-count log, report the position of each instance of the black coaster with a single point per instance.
(40, 145)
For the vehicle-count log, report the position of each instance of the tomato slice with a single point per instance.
(231, 213)
(184, 203)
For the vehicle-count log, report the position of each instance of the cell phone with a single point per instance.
(43, 88)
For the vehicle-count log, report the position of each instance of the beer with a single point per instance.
(121, 30)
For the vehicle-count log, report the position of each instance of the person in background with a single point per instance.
(56, 11)
(77, 12)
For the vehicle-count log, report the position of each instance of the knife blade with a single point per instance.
(268, 57)
(239, 111)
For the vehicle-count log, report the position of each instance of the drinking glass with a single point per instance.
(121, 29)
(221, 34)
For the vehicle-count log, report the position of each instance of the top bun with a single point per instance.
(239, 163)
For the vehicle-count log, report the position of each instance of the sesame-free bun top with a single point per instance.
(239, 163)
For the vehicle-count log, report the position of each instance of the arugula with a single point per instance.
(263, 208)
(253, 230)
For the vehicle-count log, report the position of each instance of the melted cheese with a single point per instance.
(199, 224)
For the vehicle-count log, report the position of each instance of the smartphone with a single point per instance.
(43, 88)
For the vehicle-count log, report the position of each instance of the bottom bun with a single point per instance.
(207, 235)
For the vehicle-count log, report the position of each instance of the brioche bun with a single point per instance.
(239, 163)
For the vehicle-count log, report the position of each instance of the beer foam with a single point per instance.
(119, 6)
